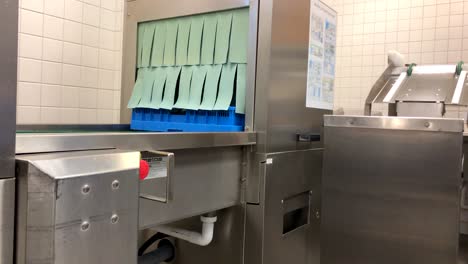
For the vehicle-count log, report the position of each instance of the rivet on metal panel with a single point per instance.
(115, 185)
(427, 124)
(114, 219)
(85, 189)
(84, 226)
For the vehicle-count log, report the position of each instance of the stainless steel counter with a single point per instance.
(51, 142)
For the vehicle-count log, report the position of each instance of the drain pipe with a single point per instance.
(164, 253)
(202, 239)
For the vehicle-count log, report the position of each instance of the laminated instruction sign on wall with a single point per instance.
(322, 56)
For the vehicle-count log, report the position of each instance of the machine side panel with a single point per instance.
(7, 200)
(390, 196)
(40, 217)
(8, 78)
(204, 180)
(65, 215)
(284, 227)
(282, 66)
(105, 241)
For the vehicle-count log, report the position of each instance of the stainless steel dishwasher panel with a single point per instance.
(284, 226)
(78, 207)
(390, 190)
(7, 215)
(204, 180)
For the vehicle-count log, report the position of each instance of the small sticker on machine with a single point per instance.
(158, 167)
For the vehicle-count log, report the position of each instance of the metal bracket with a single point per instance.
(307, 137)
(166, 161)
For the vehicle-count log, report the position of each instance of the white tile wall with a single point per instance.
(69, 61)
(425, 31)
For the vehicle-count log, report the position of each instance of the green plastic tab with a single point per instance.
(410, 69)
(459, 67)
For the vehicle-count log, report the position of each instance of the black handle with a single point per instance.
(307, 137)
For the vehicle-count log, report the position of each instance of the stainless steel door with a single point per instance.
(283, 227)
(390, 190)
(7, 212)
(281, 80)
(8, 78)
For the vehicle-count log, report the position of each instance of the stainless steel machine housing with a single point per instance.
(391, 190)
(77, 207)
(8, 78)
(264, 183)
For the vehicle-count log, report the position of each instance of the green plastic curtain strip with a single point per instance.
(137, 90)
(159, 41)
(195, 40)
(209, 39)
(201, 39)
(170, 88)
(183, 41)
(158, 87)
(241, 84)
(196, 87)
(223, 33)
(205, 87)
(211, 87)
(171, 40)
(201, 58)
(184, 87)
(226, 87)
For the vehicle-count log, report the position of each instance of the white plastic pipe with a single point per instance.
(203, 239)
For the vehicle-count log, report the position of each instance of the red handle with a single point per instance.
(144, 169)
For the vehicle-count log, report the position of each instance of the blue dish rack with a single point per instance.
(160, 120)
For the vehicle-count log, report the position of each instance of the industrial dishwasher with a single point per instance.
(104, 194)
